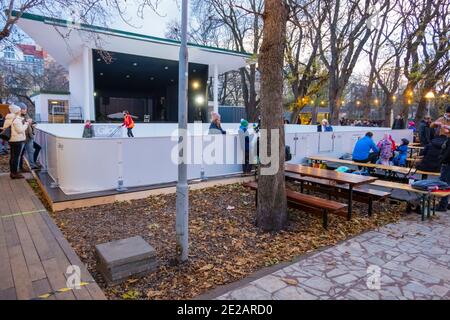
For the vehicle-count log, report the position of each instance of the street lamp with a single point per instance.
(429, 96)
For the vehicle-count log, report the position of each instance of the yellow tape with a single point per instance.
(62, 290)
(22, 213)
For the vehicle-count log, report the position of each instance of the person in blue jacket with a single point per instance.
(361, 152)
(400, 158)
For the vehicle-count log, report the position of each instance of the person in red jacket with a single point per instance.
(128, 123)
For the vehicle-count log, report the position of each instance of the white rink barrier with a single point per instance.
(80, 165)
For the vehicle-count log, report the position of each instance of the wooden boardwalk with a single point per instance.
(34, 255)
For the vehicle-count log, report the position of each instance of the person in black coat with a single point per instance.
(431, 155)
(426, 134)
(399, 123)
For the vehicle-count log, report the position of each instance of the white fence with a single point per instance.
(87, 165)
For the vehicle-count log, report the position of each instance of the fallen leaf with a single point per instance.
(290, 281)
(206, 268)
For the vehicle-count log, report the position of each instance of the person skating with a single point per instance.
(128, 123)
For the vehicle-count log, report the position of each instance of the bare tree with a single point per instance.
(272, 206)
(304, 74)
(241, 20)
(427, 26)
(343, 36)
(385, 55)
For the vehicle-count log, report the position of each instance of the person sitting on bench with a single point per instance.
(400, 158)
(361, 152)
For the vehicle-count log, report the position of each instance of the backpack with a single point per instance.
(430, 185)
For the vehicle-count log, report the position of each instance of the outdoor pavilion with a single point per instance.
(113, 70)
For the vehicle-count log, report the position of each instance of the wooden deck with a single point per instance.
(34, 255)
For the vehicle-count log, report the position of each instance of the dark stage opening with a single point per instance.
(147, 87)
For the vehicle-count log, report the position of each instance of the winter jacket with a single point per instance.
(18, 127)
(426, 134)
(128, 122)
(244, 138)
(445, 154)
(216, 129)
(385, 147)
(400, 158)
(398, 124)
(431, 155)
(327, 128)
(363, 147)
(88, 132)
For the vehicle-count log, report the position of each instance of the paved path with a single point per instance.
(34, 255)
(413, 259)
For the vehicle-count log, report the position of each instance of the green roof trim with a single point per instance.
(49, 92)
(121, 33)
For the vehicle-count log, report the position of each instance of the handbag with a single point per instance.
(429, 185)
(6, 132)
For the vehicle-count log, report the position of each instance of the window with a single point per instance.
(29, 59)
(10, 53)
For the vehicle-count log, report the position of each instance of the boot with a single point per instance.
(16, 176)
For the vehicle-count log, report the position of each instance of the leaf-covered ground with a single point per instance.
(4, 163)
(225, 246)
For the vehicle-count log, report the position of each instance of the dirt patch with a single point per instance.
(225, 246)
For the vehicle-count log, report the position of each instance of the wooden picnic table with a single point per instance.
(426, 196)
(352, 180)
(402, 170)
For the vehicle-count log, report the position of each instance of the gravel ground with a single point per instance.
(225, 246)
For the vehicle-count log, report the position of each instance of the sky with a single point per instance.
(154, 24)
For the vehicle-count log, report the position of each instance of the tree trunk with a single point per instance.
(387, 111)
(334, 104)
(368, 97)
(271, 210)
(406, 99)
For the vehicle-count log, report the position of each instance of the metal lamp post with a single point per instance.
(429, 96)
(182, 202)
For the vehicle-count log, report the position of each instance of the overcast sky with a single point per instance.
(153, 24)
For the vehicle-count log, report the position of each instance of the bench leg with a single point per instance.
(429, 207)
(350, 201)
(422, 209)
(370, 206)
(325, 219)
(434, 206)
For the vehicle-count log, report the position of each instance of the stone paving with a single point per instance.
(406, 260)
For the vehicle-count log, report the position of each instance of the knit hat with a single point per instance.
(447, 110)
(22, 105)
(14, 109)
(244, 123)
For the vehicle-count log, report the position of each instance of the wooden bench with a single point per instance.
(361, 194)
(308, 203)
(393, 169)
